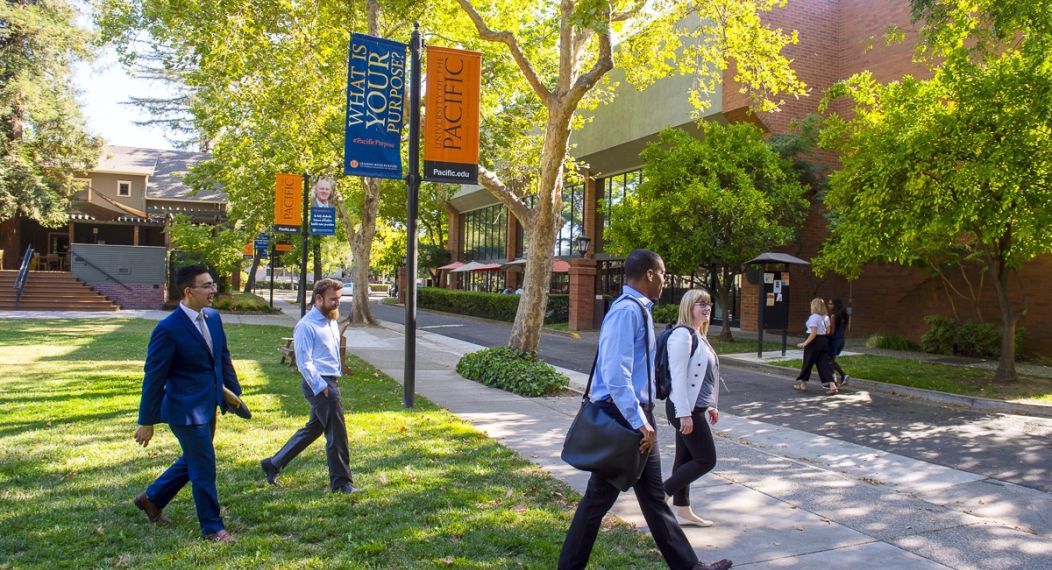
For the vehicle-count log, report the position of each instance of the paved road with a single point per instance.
(1015, 449)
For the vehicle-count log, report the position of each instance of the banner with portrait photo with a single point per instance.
(375, 108)
(322, 212)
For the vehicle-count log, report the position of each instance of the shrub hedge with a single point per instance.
(666, 313)
(241, 303)
(968, 338)
(511, 370)
(892, 342)
(488, 305)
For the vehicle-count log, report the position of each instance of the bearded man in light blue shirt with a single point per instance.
(317, 344)
(623, 385)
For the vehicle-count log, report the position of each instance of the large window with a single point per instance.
(485, 233)
(615, 188)
(573, 221)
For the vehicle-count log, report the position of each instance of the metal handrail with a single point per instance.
(23, 274)
(99, 269)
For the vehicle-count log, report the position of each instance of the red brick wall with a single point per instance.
(455, 230)
(141, 296)
(847, 36)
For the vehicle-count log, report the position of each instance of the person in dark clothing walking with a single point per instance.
(838, 320)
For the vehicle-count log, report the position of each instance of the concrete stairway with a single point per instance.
(51, 291)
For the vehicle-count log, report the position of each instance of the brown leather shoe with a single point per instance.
(221, 536)
(153, 512)
(718, 565)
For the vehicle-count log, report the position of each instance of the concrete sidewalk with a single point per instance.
(780, 497)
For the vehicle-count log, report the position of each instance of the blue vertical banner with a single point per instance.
(375, 107)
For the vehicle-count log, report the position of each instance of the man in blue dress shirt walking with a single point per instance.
(317, 342)
(187, 366)
(622, 385)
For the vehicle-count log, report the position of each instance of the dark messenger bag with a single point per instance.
(602, 443)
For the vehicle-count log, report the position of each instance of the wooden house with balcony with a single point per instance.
(114, 238)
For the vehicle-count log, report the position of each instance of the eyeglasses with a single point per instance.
(209, 285)
(703, 305)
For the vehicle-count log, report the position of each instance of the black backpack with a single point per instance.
(662, 372)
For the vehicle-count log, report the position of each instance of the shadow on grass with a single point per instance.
(438, 493)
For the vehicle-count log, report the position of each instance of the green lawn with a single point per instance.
(438, 492)
(942, 377)
(737, 346)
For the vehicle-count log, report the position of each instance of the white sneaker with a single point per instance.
(687, 517)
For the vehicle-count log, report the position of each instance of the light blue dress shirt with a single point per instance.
(317, 342)
(621, 372)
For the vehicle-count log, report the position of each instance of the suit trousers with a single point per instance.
(599, 497)
(326, 417)
(695, 455)
(197, 466)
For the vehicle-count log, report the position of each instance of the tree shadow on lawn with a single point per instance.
(989, 444)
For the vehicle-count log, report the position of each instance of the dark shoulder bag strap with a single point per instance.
(595, 361)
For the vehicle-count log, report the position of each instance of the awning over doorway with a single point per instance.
(102, 207)
(454, 265)
(558, 265)
(476, 266)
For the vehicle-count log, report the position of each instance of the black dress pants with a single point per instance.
(695, 455)
(326, 417)
(599, 497)
(817, 354)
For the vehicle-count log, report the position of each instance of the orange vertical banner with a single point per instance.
(451, 125)
(288, 203)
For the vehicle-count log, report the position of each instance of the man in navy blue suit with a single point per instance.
(187, 365)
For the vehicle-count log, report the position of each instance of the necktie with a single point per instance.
(204, 330)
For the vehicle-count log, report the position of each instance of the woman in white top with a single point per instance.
(816, 349)
(691, 405)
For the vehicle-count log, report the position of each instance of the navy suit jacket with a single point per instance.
(183, 382)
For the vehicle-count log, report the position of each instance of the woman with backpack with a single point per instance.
(691, 405)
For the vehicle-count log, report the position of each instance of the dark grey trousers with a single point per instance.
(326, 416)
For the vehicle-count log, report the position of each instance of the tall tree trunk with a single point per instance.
(250, 283)
(1009, 319)
(362, 248)
(526, 331)
(362, 239)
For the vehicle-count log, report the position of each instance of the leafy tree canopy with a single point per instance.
(43, 143)
(957, 167)
(721, 198)
(713, 202)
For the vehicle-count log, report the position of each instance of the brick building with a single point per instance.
(838, 38)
